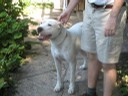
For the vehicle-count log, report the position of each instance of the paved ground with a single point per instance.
(38, 76)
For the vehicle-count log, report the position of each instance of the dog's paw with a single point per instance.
(71, 89)
(58, 87)
(83, 67)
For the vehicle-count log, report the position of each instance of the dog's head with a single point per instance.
(49, 29)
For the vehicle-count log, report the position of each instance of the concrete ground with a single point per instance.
(38, 76)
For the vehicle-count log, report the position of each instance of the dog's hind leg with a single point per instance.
(59, 84)
(84, 56)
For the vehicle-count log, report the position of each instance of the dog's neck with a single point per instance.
(60, 37)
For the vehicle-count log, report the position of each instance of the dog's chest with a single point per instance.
(60, 53)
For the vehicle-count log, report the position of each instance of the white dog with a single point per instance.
(65, 44)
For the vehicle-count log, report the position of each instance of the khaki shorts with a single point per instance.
(93, 40)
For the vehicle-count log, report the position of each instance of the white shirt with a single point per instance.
(101, 2)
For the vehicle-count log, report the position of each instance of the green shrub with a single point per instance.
(35, 4)
(122, 74)
(13, 29)
(44, 5)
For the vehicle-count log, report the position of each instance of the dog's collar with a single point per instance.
(60, 37)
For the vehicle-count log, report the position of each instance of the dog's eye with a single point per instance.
(49, 25)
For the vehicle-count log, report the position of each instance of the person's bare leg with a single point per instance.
(109, 78)
(94, 68)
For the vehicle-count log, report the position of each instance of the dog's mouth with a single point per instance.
(44, 37)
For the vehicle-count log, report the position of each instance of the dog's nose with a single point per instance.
(39, 29)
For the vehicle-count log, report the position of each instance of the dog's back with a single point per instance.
(76, 29)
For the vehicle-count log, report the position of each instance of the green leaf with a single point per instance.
(15, 26)
(2, 83)
(5, 43)
(3, 24)
(21, 48)
(17, 35)
(3, 14)
(5, 51)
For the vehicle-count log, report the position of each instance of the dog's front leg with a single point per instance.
(59, 84)
(72, 77)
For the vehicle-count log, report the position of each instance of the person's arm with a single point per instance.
(116, 7)
(110, 27)
(72, 5)
(64, 17)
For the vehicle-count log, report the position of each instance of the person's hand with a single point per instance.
(110, 28)
(64, 17)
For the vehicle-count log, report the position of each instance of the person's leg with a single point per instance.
(109, 78)
(94, 68)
